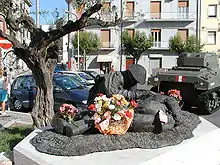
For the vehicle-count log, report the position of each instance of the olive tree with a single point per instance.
(41, 54)
(89, 42)
(191, 44)
(137, 44)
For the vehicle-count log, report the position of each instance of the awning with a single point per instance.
(5, 44)
(104, 58)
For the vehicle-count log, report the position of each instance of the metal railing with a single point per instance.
(160, 45)
(108, 45)
(170, 16)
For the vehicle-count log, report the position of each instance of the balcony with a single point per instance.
(108, 45)
(160, 45)
(178, 16)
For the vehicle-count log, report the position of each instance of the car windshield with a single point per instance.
(85, 76)
(25, 82)
(67, 82)
(77, 78)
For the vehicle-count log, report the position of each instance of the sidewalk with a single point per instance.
(12, 117)
(6, 121)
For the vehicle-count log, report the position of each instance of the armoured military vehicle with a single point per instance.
(197, 76)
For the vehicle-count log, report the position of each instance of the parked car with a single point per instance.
(76, 77)
(61, 67)
(93, 74)
(65, 90)
(87, 78)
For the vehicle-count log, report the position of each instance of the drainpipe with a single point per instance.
(198, 19)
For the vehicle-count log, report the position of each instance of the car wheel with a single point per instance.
(17, 105)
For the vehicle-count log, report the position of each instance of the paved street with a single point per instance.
(214, 118)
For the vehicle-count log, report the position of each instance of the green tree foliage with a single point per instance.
(89, 41)
(192, 44)
(137, 44)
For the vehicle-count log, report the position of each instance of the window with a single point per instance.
(183, 4)
(105, 38)
(183, 9)
(212, 11)
(129, 9)
(155, 9)
(156, 34)
(154, 64)
(211, 38)
(131, 32)
(183, 33)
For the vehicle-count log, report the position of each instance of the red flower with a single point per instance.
(100, 94)
(92, 107)
(118, 103)
(128, 114)
(133, 103)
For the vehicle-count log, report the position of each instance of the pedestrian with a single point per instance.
(3, 91)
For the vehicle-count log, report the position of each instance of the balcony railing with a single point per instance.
(108, 45)
(178, 16)
(160, 45)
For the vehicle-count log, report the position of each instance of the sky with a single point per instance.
(50, 7)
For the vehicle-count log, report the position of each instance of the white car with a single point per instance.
(89, 80)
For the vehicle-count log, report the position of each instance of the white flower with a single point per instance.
(98, 106)
(99, 109)
(111, 106)
(97, 98)
(104, 98)
(116, 117)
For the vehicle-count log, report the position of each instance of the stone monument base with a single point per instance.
(203, 148)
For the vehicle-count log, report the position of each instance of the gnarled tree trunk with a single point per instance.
(42, 69)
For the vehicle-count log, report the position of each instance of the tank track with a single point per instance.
(209, 101)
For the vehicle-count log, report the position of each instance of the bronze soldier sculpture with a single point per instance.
(125, 83)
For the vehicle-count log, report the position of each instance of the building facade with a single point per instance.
(161, 19)
(9, 59)
(210, 25)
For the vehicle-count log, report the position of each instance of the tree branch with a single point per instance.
(11, 38)
(95, 21)
(15, 24)
(71, 26)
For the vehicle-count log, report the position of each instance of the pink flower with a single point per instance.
(118, 103)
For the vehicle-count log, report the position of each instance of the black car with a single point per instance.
(65, 90)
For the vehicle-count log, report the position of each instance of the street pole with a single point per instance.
(78, 46)
(37, 13)
(68, 47)
(121, 26)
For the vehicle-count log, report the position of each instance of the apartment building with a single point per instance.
(23, 36)
(210, 25)
(161, 19)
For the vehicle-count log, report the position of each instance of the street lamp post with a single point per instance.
(37, 13)
(121, 26)
(69, 12)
